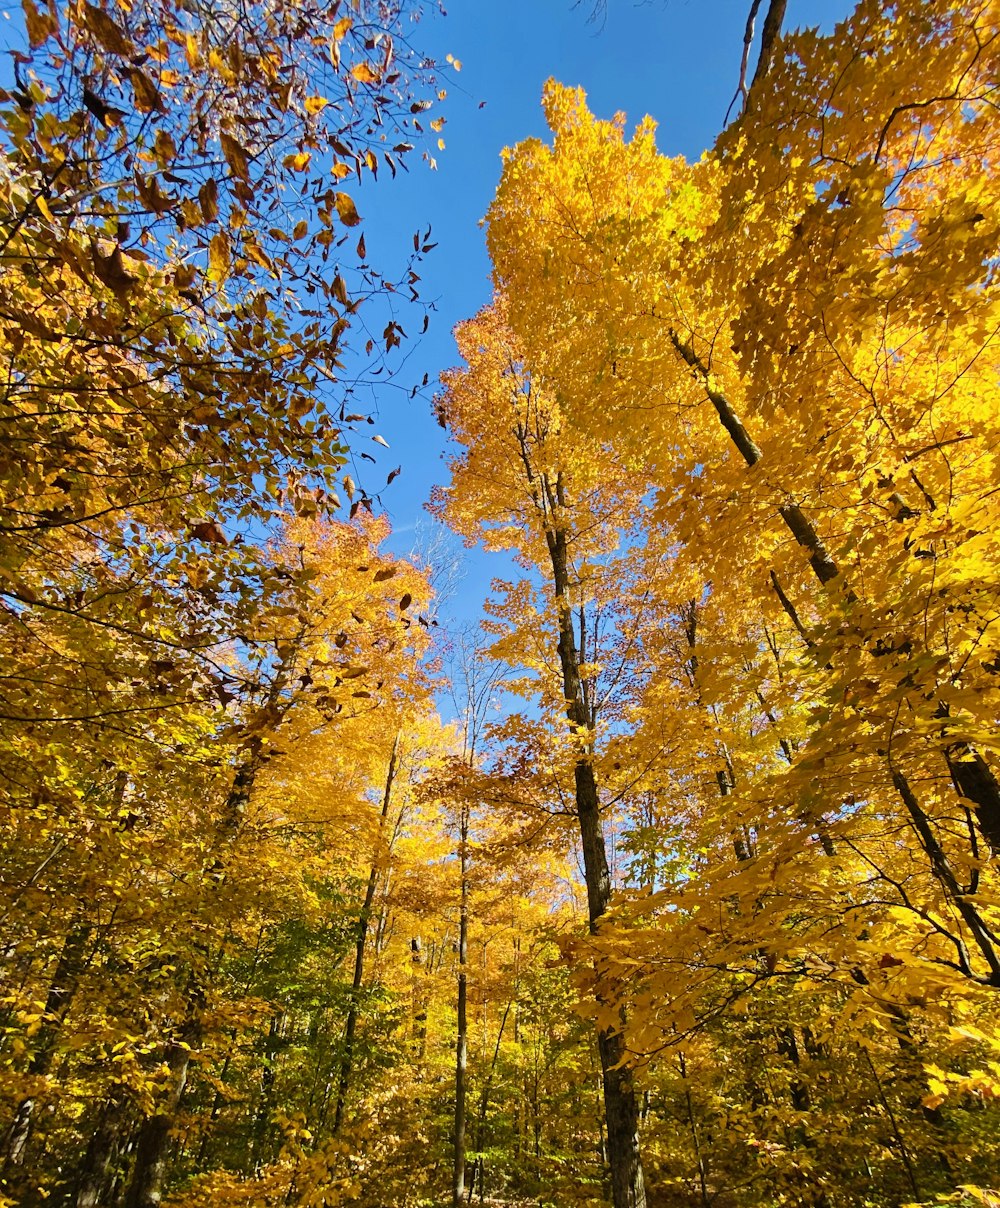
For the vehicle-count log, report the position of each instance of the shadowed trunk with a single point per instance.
(620, 1105)
(364, 919)
(57, 1003)
(462, 1039)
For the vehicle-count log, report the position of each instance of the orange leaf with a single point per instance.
(364, 73)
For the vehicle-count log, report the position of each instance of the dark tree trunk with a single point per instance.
(146, 1185)
(93, 1177)
(364, 920)
(57, 1003)
(620, 1105)
(462, 1039)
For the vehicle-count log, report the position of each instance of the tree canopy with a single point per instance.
(676, 883)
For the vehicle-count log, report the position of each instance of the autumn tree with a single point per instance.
(177, 301)
(791, 344)
(520, 481)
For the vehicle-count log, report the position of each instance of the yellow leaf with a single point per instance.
(219, 257)
(315, 104)
(43, 207)
(346, 209)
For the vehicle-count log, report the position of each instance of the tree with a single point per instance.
(647, 343)
(174, 399)
(518, 481)
(790, 344)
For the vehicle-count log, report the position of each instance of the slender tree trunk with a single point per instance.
(484, 1101)
(57, 1003)
(462, 1039)
(364, 920)
(695, 1138)
(268, 1078)
(620, 1105)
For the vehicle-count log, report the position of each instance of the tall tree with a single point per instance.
(544, 497)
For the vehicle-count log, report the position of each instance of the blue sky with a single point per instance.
(677, 60)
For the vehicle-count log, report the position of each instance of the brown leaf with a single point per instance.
(97, 21)
(208, 530)
(387, 572)
(147, 95)
(208, 199)
(236, 155)
(150, 195)
(405, 602)
(39, 23)
(107, 115)
(111, 271)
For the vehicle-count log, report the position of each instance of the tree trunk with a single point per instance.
(620, 1106)
(484, 1103)
(146, 1185)
(57, 1003)
(359, 948)
(90, 1186)
(462, 1039)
